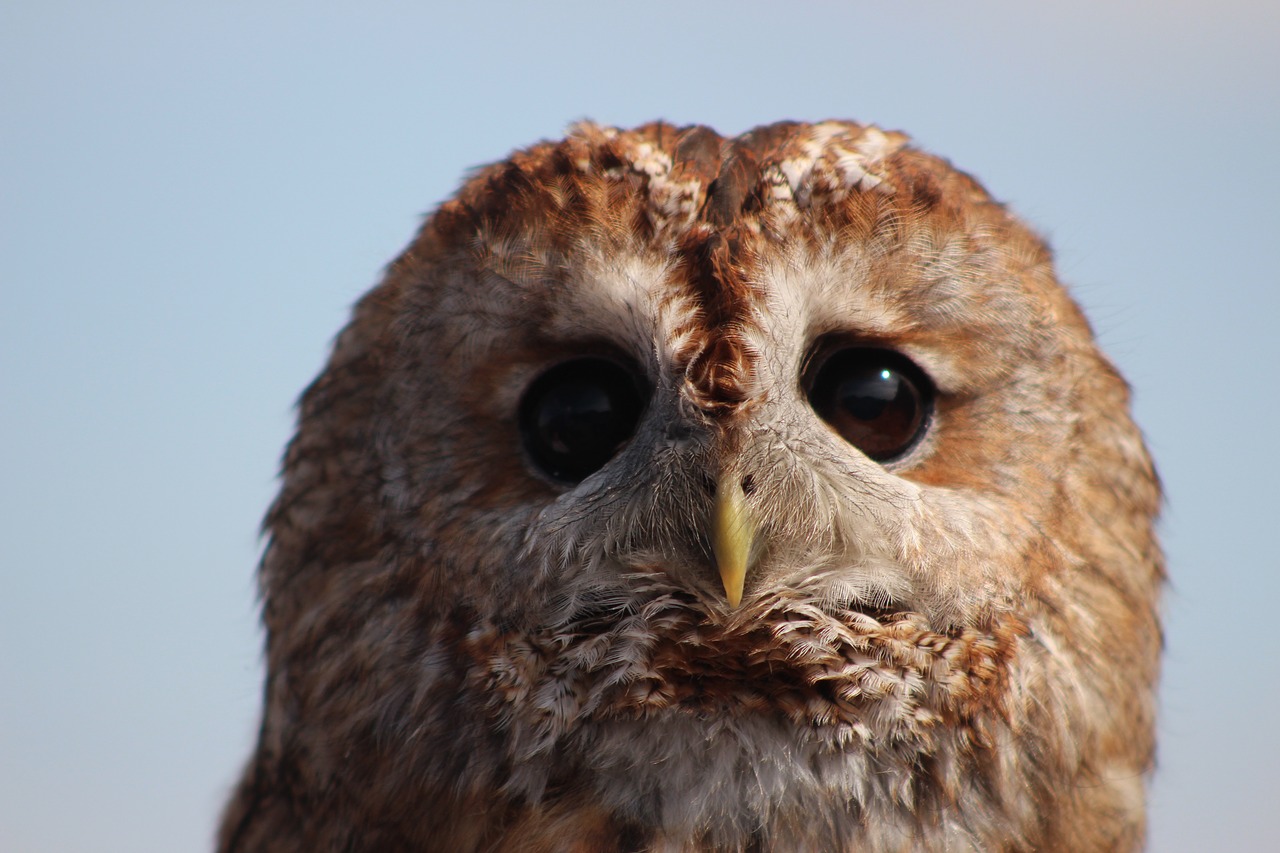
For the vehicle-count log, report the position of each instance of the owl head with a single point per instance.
(676, 491)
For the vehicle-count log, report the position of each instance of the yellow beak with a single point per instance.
(732, 532)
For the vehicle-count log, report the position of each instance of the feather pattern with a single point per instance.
(952, 649)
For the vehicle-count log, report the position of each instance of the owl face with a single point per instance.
(701, 491)
(874, 365)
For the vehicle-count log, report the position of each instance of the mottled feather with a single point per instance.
(955, 649)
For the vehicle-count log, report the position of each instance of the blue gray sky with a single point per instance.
(193, 194)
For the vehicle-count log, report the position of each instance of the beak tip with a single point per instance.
(733, 576)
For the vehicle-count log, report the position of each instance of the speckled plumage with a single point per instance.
(952, 651)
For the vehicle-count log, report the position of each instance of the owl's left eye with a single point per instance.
(575, 416)
(876, 399)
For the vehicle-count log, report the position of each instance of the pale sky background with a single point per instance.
(193, 194)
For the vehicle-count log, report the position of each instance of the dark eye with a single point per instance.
(876, 399)
(575, 416)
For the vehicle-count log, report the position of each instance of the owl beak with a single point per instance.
(732, 533)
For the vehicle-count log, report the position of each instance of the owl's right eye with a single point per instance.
(575, 416)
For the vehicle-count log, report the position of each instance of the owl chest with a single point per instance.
(698, 781)
(689, 761)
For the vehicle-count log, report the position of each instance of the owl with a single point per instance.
(677, 492)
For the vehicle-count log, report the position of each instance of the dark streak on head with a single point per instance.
(716, 260)
(718, 372)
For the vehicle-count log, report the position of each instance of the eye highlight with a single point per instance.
(876, 399)
(574, 417)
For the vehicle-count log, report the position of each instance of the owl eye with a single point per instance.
(876, 399)
(575, 416)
